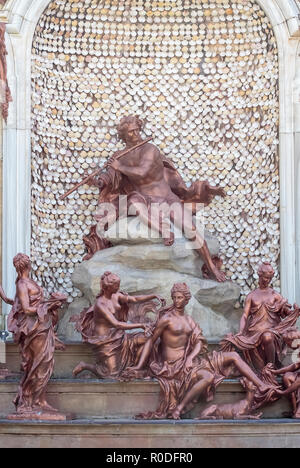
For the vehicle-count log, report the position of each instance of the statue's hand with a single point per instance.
(189, 363)
(113, 162)
(130, 373)
(161, 300)
(274, 371)
(116, 165)
(59, 346)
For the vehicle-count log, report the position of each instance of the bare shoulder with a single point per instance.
(99, 303)
(278, 296)
(149, 148)
(250, 296)
(22, 283)
(165, 319)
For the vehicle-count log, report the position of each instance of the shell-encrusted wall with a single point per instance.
(204, 76)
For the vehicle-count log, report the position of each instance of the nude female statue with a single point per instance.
(172, 356)
(104, 326)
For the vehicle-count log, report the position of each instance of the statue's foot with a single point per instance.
(168, 241)
(44, 405)
(78, 369)
(176, 413)
(219, 275)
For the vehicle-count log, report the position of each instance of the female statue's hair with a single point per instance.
(264, 268)
(21, 263)
(183, 289)
(125, 122)
(108, 279)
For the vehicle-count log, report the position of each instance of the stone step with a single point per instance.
(87, 398)
(66, 361)
(151, 434)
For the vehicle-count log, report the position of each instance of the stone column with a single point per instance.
(297, 170)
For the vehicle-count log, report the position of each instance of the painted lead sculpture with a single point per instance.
(104, 326)
(243, 409)
(32, 321)
(291, 378)
(266, 324)
(176, 355)
(146, 177)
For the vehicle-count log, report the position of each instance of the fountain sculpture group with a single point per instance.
(169, 347)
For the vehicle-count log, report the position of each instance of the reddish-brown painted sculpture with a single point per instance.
(176, 355)
(6, 97)
(243, 409)
(147, 177)
(255, 399)
(265, 326)
(291, 378)
(104, 326)
(94, 243)
(32, 321)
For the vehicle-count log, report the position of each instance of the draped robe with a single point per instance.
(37, 341)
(263, 318)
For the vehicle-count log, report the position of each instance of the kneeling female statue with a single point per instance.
(104, 326)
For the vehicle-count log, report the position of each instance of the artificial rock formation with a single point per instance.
(146, 266)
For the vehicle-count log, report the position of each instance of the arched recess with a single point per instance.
(22, 18)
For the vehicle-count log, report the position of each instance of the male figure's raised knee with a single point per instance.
(233, 356)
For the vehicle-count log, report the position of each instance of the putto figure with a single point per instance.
(32, 321)
(146, 177)
(172, 356)
(266, 324)
(104, 326)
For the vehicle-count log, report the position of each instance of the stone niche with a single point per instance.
(203, 74)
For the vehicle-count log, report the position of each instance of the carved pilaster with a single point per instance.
(5, 96)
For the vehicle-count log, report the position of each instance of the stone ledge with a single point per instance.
(65, 361)
(109, 399)
(151, 434)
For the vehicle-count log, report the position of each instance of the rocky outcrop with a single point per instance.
(145, 265)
